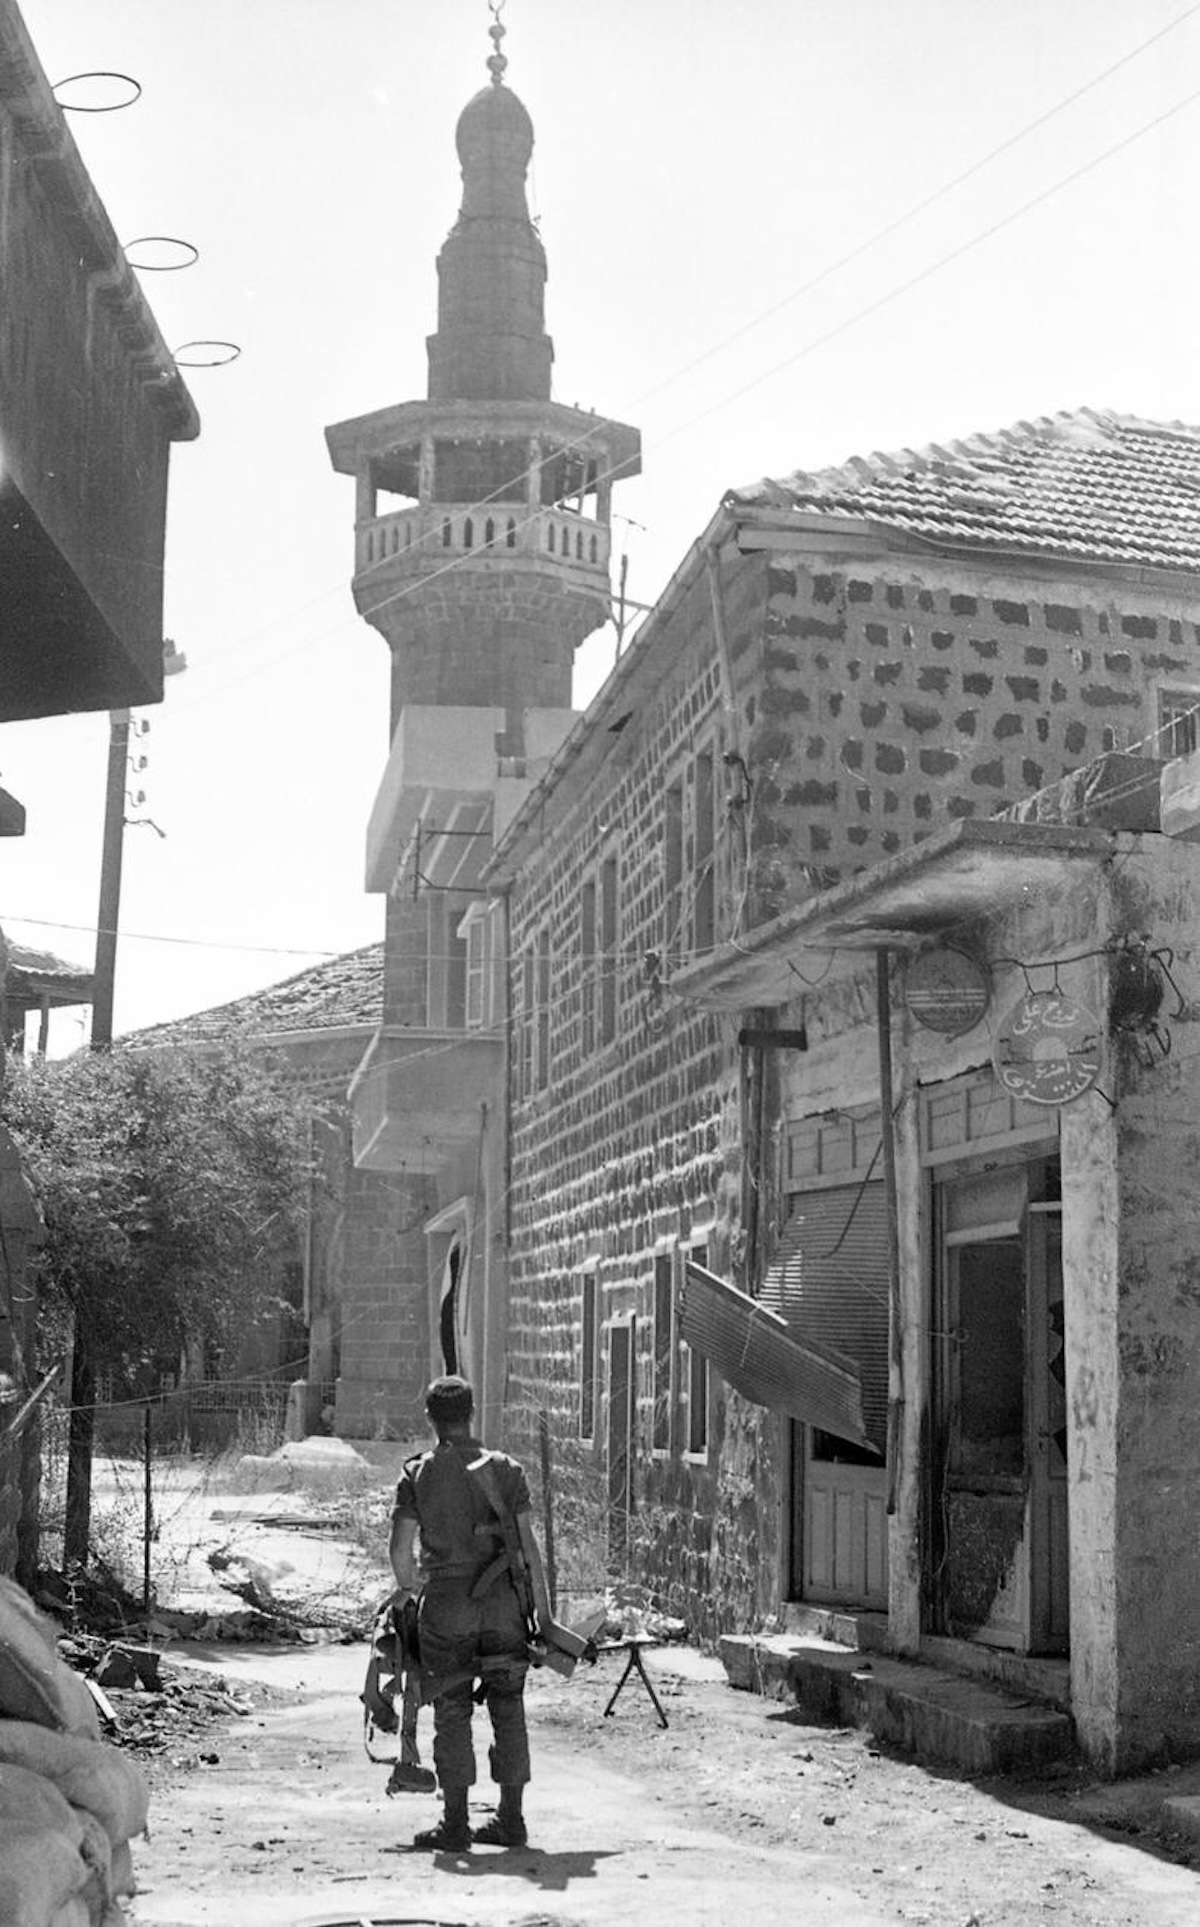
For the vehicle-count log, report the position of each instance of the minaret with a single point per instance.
(482, 551)
(483, 512)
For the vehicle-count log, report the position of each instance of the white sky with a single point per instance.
(698, 162)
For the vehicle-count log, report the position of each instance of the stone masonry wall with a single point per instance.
(483, 634)
(371, 1300)
(862, 709)
(629, 1145)
(886, 708)
(1156, 1345)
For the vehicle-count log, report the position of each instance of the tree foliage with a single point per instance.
(171, 1184)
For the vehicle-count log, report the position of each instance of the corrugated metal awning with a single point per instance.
(829, 1281)
(757, 1352)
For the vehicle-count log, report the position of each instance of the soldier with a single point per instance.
(483, 1598)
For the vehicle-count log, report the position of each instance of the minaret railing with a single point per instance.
(423, 538)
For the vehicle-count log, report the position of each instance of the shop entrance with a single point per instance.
(996, 1543)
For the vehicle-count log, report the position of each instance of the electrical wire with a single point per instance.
(505, 490)
(810, 347)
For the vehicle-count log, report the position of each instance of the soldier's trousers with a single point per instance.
(464, 1639)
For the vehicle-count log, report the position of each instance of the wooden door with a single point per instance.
(839, 1522)
(997, 1568)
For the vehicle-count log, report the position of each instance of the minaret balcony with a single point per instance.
(424, 540)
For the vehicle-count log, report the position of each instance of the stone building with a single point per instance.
(668, 1188)
(1002, 1032)
(845, 667)
(482, 537)
(90, 403)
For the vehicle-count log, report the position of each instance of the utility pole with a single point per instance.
(108, 915)
(110, 880)
(82, 1421)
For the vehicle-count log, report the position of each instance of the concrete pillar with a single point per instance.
(904, 1526)
(1091, 1291)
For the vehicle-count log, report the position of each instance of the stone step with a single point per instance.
(922, 1709)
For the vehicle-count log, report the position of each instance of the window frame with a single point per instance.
(589, 1354)
(1186, 697)
(695, 1372)
(543, 997)
(704, 848)
(608, 950)
(588, 987)
(664, 1353)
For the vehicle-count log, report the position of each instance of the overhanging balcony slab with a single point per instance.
(442, 757)
(416, 1097)
(971, 870)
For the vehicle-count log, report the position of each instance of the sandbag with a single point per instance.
(34, 1682)
(124, 1879)
(29, 1803)
(77, 1913)
(88, 1774)
(96, 1853)
(42, 1863)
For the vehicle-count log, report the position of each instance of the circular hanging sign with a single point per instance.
(1048, 1048)
(947, 990)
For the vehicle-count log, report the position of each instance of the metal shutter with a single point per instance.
(830, 1282)
(757, 1353)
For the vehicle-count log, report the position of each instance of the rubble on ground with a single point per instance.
(149, 1704)
(308, 1465)
(626, 1611)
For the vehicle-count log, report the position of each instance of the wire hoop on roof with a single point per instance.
(205, 354)
(188, 250)
(134, 90)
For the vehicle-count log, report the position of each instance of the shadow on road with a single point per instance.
(1125, 1811)
(553, 1872)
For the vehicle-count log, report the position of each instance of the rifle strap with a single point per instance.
(484, 1471)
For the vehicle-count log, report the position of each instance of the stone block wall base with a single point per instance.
(920, 1709)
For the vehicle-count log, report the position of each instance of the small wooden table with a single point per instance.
(633, 1647)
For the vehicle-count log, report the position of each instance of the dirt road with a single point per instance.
(736, 1814)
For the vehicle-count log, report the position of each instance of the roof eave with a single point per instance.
(816, 532)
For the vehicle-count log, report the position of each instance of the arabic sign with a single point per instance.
(1048, 1048)
(947, 990)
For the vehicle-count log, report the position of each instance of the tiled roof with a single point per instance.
(37, 973)
(1089, 487)
(346, 991)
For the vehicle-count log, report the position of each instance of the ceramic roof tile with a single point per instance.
(1107, 488)
(345, 991)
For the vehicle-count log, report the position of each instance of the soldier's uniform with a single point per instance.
(471, 1622)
